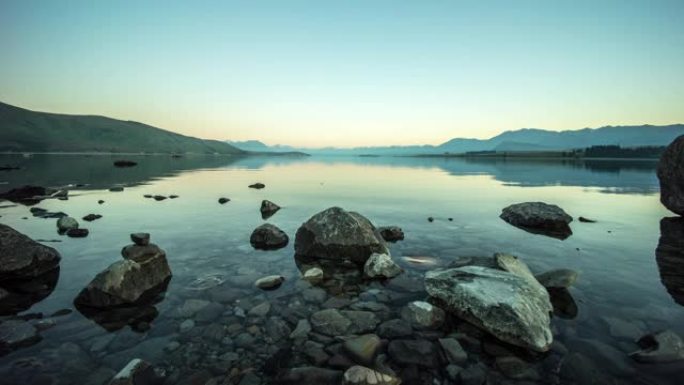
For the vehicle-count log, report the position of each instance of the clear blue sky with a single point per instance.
(350, 72)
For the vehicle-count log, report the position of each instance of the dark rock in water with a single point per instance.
(92, 217)
(363, 348)
(42, 213)
(339, 235)
(431, 219)
(559, 278)
(100, 202)
(138, 317)
(137, 372)
(394, 329)
(309, 375)
(15, 334)
(27, 195)
(22, 258)
(148, 196)
(586, 220)
(223, 200)
(9, 168)
(173, 196)
(671, 176)
(268, 209)
(139, 278)
(539, 218)
(17, 295)
(257, 186)
(66, 223)
(414, 352)
(141, 239)
(124, 163)
(268, 237)
(116, 189)
(564, 305)
(665, 346)
(391, 233)
(77, 233)
(670, 257)
(159, 198)
(361, 375)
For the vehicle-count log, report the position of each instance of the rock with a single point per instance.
(560, 278)
(66, 223)
(665, 346)
(361, 321)
(338, 235)
(395, 328)
(223, 200)
(186, 325)
(91, 217)
(473, 375)
(330, 322)
(671, 176)
(124, 163)
(137, 252)
(362, 349)
(301, 330)
(137, 372)
(148, 196)
(315, 352)
(578, 369)
(414, 352)
(539, 217)
(260, 310)
(453, 350)
(431, 219)
(21, 258)
(270, 282)
(314, 275)
(136, 279)
(77, 233)
(586, 220)
(391, 233)
(28, 195)
(621, 328)
(381, 266)
(116, 189)
(506, 305)
(423, 315)
(564, 306)
(268, 237)
(159, 198)
(140, 239)
(257, 186)
(173, 196)
(99, 202)
(310, 376)
(15, 334)
(514, 367)
(454, 372)
(360, 375)
(268, 209)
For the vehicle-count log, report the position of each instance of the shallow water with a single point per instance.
(208, 248)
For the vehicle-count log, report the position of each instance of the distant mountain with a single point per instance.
(23, 130)
(526, 139)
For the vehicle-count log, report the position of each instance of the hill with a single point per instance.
(23, 130)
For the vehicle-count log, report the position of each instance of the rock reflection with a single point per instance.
(564, 306)
(670, 257)
(138, 318)
(18, 295)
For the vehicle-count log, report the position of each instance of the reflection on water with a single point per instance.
(670, 257)
(209, 325)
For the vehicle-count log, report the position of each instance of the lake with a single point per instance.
(623, 290)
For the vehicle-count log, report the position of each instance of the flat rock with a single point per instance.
(539, 217)
(257, 186)
(508, 306)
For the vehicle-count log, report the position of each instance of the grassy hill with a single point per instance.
(23, 130)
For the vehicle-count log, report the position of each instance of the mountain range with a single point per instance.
(526, 139)
(22, 130)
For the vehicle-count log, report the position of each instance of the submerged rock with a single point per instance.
(539, 218)
(124, 163)
(141, 276)
(423, 315)
(137, 372)
(309, 375)
(268, 237)
(361, 375)
(268, 209)
(391, 233)
(414, 352)
(330, 322)
(339, 235)
(270, 282)
(670, 257)
(314, 275)
(671, 176)
(508, 306)
(15, 334)
(362, 349)
(665, 346)
(560, 278)
(381, 266)
(77, 233)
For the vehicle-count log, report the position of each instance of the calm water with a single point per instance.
(209, 252)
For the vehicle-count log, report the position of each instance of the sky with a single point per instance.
(348, 73)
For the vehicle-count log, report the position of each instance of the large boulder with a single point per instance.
(511, 307)
(268, 237)
(339, 235)
(539, 218)
(22, 258)
(671, 176)
(140, 277)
